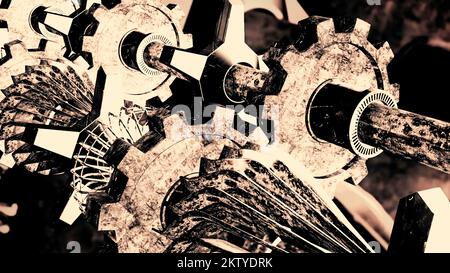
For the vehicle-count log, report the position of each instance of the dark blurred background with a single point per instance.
(418, 25)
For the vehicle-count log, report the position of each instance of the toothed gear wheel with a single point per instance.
(91, 174)
(21, 19)
(136, 216)
(41, 92)
(326, 50)
(15, 65)
(149, 20)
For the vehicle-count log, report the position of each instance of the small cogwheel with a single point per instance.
(119, 42)
(26, 22)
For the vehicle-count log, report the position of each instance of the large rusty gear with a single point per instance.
(139, 218)
(344, 55)
(24, 24)
(180, 146)
(91, 174)
(110, 47)
(325, 52)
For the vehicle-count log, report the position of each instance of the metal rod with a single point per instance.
(407, 134)
(239, 82)
(152, 57)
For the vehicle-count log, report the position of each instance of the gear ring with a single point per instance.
(114, 26)
(137, 213)
(325, 52)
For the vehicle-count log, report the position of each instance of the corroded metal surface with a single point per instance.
(259, 199)
(223, 196)
(322, 54)
(136, 217)
(407, 134)
(145, 17)
(43, 92)
(244, 83)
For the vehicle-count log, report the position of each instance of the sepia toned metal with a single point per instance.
(164, 185)
(215, 59)
(326, 50)
(369, 122)
(407, 134)
(244, 83)
(289, 10)
(27, 22)
(241, 83)
(137, 215)
(119, 42)
(313, 101)
(144, 220)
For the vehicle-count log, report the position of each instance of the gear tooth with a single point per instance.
(176, 13)
(362, 28)
(4, 36)
(101, 12)
(384, 57)
(262, 64)
(164, 93)
(223, 115)
(17, 49)
(3, 14)
(81, 63)
(359, 172)
(259, 137)
(44, 172)
(176, 128)
(29, 41)
(16, 15)
(31, 167)
(385, 53)
(8, 160)
(20, 157)
(187, 41)
(115, 217)
(325, 30)
(124, 10)
(89, 3)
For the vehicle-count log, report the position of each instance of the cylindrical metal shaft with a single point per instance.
(238, 83)
(407, 134)
(152, 57)
(242, 81)
(364, 123)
